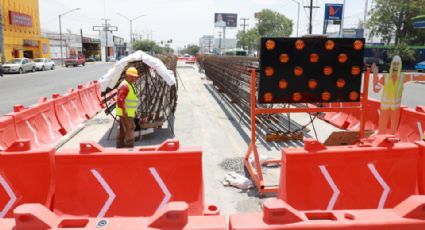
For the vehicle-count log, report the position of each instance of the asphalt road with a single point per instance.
(27, 88)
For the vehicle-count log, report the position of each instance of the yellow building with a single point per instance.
(22, 37)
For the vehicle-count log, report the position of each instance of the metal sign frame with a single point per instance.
(256, 173)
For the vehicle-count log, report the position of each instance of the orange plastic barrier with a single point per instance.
(7, 132)
(338, 119)
(119, 182)
(26, 176)
(412, 124)
(89, 100)
(408, 215)
(371, 115)
(69, 111)
(328, 115)
(377, 174)
(421, 177)
(174, 215)
(37, 123)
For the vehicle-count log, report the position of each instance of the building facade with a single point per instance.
(21, 25)
(206, 43)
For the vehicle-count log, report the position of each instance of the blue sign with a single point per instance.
(333, 12)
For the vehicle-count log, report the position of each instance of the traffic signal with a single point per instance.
(294, 70)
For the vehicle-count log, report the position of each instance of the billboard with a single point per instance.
(225, 20)
(333, 12)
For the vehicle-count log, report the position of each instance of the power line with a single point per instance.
(311, 7)
(244, 25)
(106, 27)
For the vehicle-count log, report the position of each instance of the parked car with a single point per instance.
(382, 66)
(75, 61)
(18, 65)
(90, 59)
(44, 64)
(420, 66)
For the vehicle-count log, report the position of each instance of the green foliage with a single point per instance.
(392, 20)
(273, 24)
(191, 49)
(270, 24)
(248, 40)
(404, 51)
(148, 46)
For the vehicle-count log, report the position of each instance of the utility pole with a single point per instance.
(219, 41)
(106, 27)
(60, 30)
(131, 27)
(341, 28)
(244, 25)
(310, 26)
(2, 35)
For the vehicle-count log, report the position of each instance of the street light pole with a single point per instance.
(298, 15)
(60, 30)
(131, 27)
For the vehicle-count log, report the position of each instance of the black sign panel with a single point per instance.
(294, 70)
(225, 20)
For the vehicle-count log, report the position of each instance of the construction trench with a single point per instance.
(168, 183)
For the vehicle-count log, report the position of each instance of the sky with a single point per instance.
(183, 21)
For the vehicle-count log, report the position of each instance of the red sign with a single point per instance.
(19, 19)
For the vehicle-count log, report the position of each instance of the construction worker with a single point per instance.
(392, 85)
(126, 108)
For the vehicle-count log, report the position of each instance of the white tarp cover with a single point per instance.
(111, 78)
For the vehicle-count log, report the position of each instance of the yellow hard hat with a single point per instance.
(132, 72)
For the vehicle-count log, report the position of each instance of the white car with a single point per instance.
(18, 65)
(44, 64)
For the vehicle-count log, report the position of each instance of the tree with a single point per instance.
(191, 49)
(392, 20)
(148, 46)
(269, 24)
(404, 51)
(248, 40)
(273, 24)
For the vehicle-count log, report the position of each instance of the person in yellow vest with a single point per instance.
(126, 108)
(393, 85)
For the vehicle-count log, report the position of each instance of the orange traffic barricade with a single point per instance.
(104, 182)
(69, 111)
(408, 215)
(26, 176)
(89, 100)
(7, 132)
(174, 215)
(412, 124)
(377, 174)
(37, 123)
(372, 111)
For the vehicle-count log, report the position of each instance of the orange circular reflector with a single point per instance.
(284, 58)
(327, 70)
(270, 44)
(358, 45)
(329, 45)
(326, 96)
(342, 58)
(268, 97)
(283, 84)
(269, 71)
(340, 83)
(299, 44)
(298, 71)
(312, 83)
(314, 57)
(355, 70)
(353, 95)
(297, 96)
